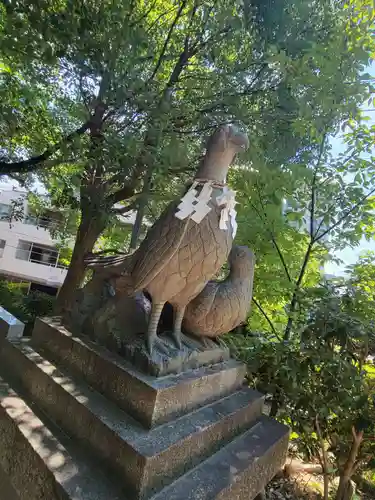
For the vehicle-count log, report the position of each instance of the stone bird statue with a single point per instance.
(188, 244)
(223, 305)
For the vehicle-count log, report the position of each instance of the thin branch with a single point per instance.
(293, 302)
(154, 23)
(122, 194)
(125, 209)
(324, 460)
(347, 213)
(167, 40)
(328, 211)
(145, 15)
(199, 37)
(313, 187)
(104, 85)
(266, 318)
(200, 44)
(35, 162)
(272, 236)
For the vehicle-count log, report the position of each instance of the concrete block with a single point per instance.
(37, 465)
(147, 460)
(10, 327)
(237, 472)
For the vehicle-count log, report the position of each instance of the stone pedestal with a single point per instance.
(85, 425)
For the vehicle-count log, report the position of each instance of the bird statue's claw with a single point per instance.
(150, 341)
(176, 336)
(155, 343)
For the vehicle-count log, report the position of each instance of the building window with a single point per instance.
(49, 290)
(4, 211)
(44, 222)
(2, 246)
(40, 254)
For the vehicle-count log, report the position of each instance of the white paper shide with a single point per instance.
(196, 206)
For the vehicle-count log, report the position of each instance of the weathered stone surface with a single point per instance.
(7, 492)
(37, 465)
(218, 447)
(148, 399)
(10, 327)
(146, 460)
(239, 471)
(119, 325)
(191, 355)
(223, 305)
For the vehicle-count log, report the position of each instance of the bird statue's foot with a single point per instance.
(176, 336)
(153, 342)
(209, 342)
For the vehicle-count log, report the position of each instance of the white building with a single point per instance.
(27, 251)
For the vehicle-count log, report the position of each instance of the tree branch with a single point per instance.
(293, 302)
(347, 213)
(324, 462)
(266, 318)
(35, 162)
(270, 232)
(167, 40)
(154, 23)
(125, 209)
(313, 188)
(122, 194)
(144, 15)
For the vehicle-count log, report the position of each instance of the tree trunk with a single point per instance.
(137, 224)
(345, 490)
(87, 234)
(276, 403)
(324, 461)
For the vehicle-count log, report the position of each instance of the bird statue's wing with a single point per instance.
(156, 250)
(113, 265)
(160, 245)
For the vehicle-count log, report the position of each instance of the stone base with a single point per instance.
(118, 326)
(7, 492)
(192, 355)
(200, 434)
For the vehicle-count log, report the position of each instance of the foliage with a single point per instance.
(296, 218)
(360, 290)
(24, 307)
(279, 247)
(326, 390)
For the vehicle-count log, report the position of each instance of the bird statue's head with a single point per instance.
(241, 261)
(221, 148)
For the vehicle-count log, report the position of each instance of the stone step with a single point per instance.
(146, 459)
(7, 492)
(240, 470)
(150, 400)
(36, 465)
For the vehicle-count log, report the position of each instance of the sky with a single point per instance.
(350, 255)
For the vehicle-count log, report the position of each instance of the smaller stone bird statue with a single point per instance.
(223, 305)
